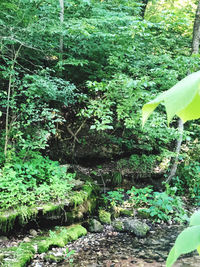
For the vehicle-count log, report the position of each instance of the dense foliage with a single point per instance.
(112, 61)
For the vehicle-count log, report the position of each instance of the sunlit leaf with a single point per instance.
(187, 241)
(183, 100)
(195, 218)
(198, 249)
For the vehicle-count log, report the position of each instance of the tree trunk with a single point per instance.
(10, 83)
(195, 50)
(143, 8)
(61, 22)
(196, 31)
(178, 149)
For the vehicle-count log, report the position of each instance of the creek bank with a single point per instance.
(22, 253)
(116, 249)
(73, 209)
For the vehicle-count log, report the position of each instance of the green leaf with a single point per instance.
(195, 218)
(198, 249)
(182, 100)
(187, 241)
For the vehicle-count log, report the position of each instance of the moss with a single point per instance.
(84, 198)
(61, 237)
(126, 212)
(52, 258)
(118, 225)
(26, 214)
(43, 246)
(76, 231)
(79, 197)
(50, 208)
(89, 188)
(7, 221)
(20, 216)
(70, 216)
(104, 217)
(22, 255)
(58, 241)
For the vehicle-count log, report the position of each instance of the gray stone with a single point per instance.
(33, 232)
(3, 238)
(95, 226)
(136, 227)
(27, 239)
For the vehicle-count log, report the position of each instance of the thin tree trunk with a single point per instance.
(195, 50)
(178, 149)
(196, 31)
(8, 101)
(61, 22)
(144, 6)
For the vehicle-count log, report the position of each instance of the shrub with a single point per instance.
(30, 178)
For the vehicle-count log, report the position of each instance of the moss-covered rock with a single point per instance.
(104, 217)
(95, 226)
(71, 210)
(136, 227)
(7, 221)
(75, 232)
(20, 256)
(118, 225)
(54, 258)
(126, 212)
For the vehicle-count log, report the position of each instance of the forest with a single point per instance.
(75, 79)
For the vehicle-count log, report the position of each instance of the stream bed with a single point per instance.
(115, 249)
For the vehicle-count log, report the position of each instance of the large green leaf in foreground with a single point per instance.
(183, 100)
(187, 241)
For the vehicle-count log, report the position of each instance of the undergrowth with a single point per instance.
(159, 206)
(28, 178)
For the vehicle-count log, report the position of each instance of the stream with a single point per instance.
(114, 249)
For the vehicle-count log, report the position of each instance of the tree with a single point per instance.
(143, 8)
(196, 31)
(195, 50)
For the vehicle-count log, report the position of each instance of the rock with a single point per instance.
(118, 225)
(3, 238)
(137, 227)
(53, 258)
(14, 244)
(95, 226)
(27, 239)
(127, 212)
(33, 232)
(104, 217)
(38, 264)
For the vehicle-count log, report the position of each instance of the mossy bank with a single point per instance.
(21, 255)
(72, 209)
